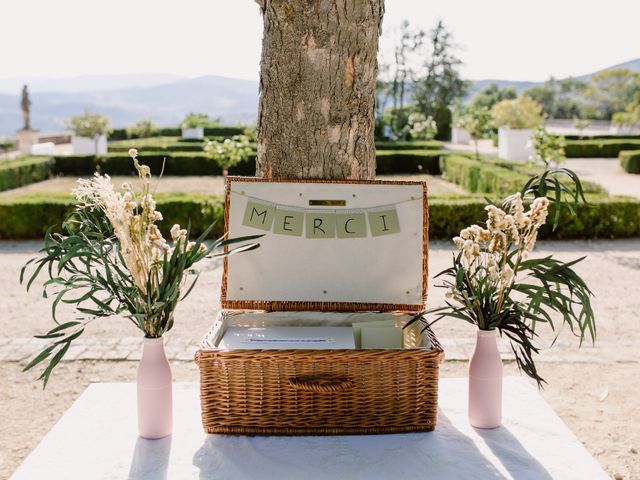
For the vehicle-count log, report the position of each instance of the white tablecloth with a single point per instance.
(97, 439)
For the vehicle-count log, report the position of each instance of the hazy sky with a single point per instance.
(509, 39)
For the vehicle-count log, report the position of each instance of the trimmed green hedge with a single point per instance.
(630, 161)
(617, 217)
(7, 146)
(175, 163)
(389, 162)
(208, 131)
(157, 144)
(30, 217)
(482, 176)
(197, 163)
(121, 133)
(609, 148)
(533, 169)
(27, 170)
(495, 176)
(601, 137)
(412, 145)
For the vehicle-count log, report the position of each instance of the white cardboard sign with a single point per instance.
(362, 269)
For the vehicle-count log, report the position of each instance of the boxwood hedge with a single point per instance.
(27, 170)
(630, 161)
(389, 162)
(198, 163)
(121, 133)
(31, 216)
(603, 148)
(600, 137)
(495, 176)
(482, 176)
(618, 217)
(409, 145)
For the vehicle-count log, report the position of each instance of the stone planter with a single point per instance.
(460, 136)
(196, 133)
(515, 144)
(88, 145)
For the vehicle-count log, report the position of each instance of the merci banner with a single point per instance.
(321, 223)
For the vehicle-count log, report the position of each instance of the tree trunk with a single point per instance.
(318, 73)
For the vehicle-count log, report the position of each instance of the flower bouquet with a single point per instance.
(495, 284)
(112, 260)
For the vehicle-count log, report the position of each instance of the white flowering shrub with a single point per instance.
(421, 127)
(229, 152)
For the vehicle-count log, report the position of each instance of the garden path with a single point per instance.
(608, 173)
(205, 185)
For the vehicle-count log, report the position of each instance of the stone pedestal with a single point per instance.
(26, 139)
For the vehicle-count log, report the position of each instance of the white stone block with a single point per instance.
(460, 136)
(47, 148)
(515, 144)
(89, 146)
(193, 133)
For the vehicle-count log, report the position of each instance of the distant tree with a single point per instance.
(476, 120)
(611, 91)
(229, 152)
(559, 98)
(398, 74)
(91, 125)
(631, 115)
(199, 120)
(492, 94)
(520, 113)
(403, 69)
(549, 148)
(143, 128)
(440, 83)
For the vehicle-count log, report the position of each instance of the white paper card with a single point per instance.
(286, 338)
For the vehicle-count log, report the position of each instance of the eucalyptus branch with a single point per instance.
(111, 260)
(493, 283)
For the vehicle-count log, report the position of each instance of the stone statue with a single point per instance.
(25, 104)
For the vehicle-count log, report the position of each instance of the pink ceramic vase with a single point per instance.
(485, 382)
(155, 402)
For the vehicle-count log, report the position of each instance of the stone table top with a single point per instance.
(97, 439)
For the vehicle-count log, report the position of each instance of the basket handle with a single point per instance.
(321, 383)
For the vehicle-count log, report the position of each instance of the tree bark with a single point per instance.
(316, 116)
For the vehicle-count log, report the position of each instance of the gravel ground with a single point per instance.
(591, 389)
(608, 173)
(203, 185)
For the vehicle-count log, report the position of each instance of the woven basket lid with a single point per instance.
(293, 271)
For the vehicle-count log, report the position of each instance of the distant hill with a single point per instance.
(85, 83)
(633, 65)
(231, 99)
(521, 86)
(164, 98)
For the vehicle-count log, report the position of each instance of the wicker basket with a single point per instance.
(319, 392)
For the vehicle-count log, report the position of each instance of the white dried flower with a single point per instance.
(506, 276)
